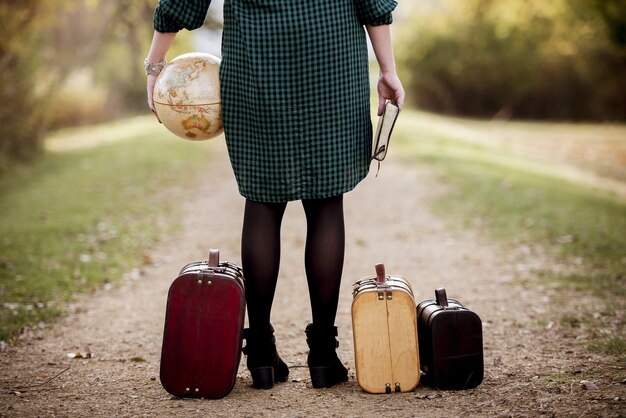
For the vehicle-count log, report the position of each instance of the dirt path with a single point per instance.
(531, 370)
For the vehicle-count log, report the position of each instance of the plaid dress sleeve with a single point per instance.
(175, 15)
(375, 12)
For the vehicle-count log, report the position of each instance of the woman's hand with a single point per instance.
(389, 88)
(150, 90)
(161, 43)
(389, 85)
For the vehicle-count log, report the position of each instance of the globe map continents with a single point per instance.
(187, 96)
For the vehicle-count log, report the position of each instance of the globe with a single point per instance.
(187, 96)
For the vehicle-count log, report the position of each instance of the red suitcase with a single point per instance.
(450, 343)
(203, 329)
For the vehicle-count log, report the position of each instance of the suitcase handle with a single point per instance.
(214, 257)
(380, 273)
(441, 297)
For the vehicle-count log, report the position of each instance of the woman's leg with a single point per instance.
(260, 253)
(324, 264)
(324, 254)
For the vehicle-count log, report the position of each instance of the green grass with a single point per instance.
(493, 189)
(83, 217)
(520, 200)
(615, 345)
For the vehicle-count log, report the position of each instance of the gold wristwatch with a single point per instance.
(154, 68)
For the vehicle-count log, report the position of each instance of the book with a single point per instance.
(380, 143)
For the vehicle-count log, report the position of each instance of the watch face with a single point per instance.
(154, 68)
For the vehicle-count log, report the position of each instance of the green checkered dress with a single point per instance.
(295, 91)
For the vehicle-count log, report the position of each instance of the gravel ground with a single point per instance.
(533, 366)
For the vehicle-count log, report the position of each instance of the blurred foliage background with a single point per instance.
(530, 59)
(66, 63)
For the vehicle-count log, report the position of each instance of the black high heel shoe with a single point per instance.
(325, 367)
(265, 365)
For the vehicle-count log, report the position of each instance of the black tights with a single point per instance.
(323, 258)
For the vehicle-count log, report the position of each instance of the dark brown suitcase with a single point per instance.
(450, 343)
(203, 329)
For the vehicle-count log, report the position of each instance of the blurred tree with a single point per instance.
(103, 44)
(614, 14)
(43, 42)
(129, 38)
(24, 88)
(517, 58)
(65, 63)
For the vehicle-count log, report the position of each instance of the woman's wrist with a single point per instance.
(161, 42)
(380, 37)
(154, 68)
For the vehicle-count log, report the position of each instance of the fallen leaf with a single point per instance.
(78, 354)
(147, 259)
(138, 360)
(86, 354)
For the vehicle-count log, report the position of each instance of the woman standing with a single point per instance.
(295, 101)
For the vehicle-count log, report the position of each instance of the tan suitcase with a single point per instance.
(385, 333)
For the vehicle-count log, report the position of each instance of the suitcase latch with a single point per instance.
(385, 294)
(200, 280)
(383, 289)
